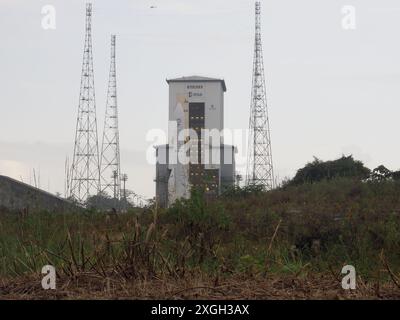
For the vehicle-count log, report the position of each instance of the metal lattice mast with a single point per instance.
(85, 171)
(259, 166)
(110, 171)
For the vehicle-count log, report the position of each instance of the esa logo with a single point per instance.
(195, 94)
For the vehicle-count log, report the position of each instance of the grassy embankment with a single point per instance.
(299, 233)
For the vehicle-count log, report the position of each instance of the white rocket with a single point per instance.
(178, 180)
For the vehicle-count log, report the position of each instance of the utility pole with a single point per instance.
(116, 197)
(124, 179)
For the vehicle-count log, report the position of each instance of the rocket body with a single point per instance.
(179, 177)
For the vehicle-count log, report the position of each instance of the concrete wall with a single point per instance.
(16, 196)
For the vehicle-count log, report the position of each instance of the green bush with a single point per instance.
(318, 170)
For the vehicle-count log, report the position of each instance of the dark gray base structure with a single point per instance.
(227, 171)
(18, 196)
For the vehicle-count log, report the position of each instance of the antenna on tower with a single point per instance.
(110, 171)
(259, 165)
(85, 171)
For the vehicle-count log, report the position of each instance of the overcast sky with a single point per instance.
(331, 91)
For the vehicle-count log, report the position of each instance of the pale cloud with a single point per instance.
(14, 169)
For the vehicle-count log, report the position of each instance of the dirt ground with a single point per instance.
(90, 286)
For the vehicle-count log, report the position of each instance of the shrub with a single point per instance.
(318, 170)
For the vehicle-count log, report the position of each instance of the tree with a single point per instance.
(101, 201)
(381, 173)
(318, 170)
(396, 175)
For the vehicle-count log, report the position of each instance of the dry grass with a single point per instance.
(91, 286)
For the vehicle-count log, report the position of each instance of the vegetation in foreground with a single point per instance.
(288, 243)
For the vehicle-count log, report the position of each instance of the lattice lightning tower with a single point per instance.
(110, 153)
(85, 170)
(259, 165)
